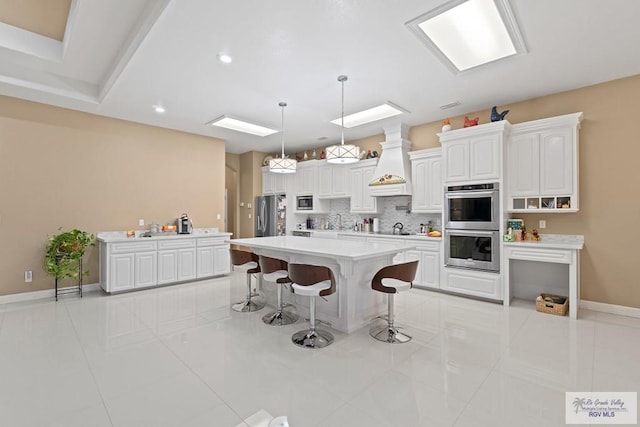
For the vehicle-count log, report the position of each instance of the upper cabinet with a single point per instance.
(305, 178)
(473, 154)
(361, 175)
(275, 183)
(333, 181)
(426, 177)
(542, 171)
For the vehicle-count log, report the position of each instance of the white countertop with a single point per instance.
(352, 250)
(121, 236)
(552, 241)
(364, 234)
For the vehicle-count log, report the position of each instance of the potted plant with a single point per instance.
(63, 255)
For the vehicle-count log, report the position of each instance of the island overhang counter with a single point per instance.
(353, 264)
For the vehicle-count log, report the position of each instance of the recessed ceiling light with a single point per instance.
(224, 58)
(158, 109)
(380, 112)
(466, 34)
(241, 126)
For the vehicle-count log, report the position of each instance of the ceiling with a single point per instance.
(118, 58)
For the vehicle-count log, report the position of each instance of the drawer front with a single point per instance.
(425, 246)
(176, 244)
(118, 248)
(540, 255)
(211, 241)
(398, 243)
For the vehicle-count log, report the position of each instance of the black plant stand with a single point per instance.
(73, 289)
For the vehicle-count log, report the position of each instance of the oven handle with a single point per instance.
(480, 233)
(468, 195)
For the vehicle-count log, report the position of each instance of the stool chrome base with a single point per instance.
(389, 334)
(247, 306)
(279, 318)
(312, 339)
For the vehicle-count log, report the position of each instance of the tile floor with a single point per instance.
(178, 356)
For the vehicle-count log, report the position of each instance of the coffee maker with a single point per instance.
(184, 224)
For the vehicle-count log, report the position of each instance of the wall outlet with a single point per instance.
(542, 224)
(249, 216)
(218, 216)
(28, 276)
(141, 222)
(242, 204)
(248, 205)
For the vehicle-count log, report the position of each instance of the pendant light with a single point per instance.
(282, 164)
(343, 153)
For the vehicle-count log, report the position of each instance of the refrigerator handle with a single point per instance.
(258, 225)
(263, 214)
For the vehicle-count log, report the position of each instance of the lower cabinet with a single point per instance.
(176, 261)
(145, 269)
(140, 264)
(470, 282)
(212, 257)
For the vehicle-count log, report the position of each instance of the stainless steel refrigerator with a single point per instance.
(271, 215)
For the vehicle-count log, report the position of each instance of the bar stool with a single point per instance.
(312, 281)
(275, 270)
(248, 261)
(391, 280)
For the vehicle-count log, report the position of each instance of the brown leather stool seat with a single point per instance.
(275, 270)
(391, 280)
(312, 281)
(248, 261)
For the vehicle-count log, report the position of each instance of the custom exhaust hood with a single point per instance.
(392, 176)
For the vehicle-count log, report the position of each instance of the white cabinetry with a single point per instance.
(470, 282)
(428, 255)
(361, 175)
(426, 176)
(473, 154)
(333, 182)
(275, 183)
(126, 265)
(542, 171)
(305, 178)
(212, 257)
(176, 260)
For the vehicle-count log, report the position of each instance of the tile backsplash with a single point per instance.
(392, 210)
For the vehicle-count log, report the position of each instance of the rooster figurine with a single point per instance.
(470, 122)
(495, 116)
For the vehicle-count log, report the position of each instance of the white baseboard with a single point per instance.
(620, 310)
(47, 293)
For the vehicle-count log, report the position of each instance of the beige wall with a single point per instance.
(65, 169)
(250, 187)
(48, 18)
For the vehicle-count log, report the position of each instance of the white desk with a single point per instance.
(554, 248)
(353, 263)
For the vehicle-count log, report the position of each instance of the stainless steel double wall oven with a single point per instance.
(472, 226)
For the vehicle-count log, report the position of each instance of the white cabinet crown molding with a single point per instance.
(567, 120)
(474, 131)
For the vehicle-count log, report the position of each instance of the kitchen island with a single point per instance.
(353, 264)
